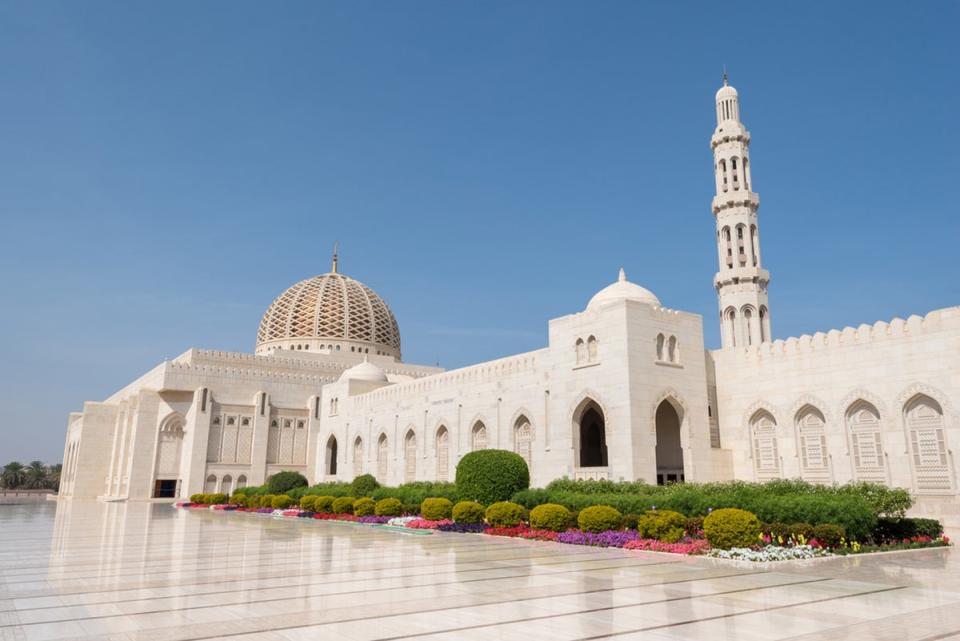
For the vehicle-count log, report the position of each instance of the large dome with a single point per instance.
(329, 312)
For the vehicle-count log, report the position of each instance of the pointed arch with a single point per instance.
(442, 445)
(478, 436)
(811, 432)
(226, 484)
(330, 457)
(581, 349)
(167, 463)
(523, 438)
(410, 456)
(765, 446)
(660, 341)
(210, 485)
(590, 433)
(924, 420)
(668, 419)
(865, 435)
(357, 456)
(383, 454)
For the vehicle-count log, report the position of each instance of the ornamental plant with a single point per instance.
(308, 503)
(281, 502)
(549, 516)
(468, 512)
(282, 482)
(323, 504)
(829, 536)
(343, 505)
(664, 525)
(436, 509)
(489, 476)
(731, 528)
(265, 500)
(599, 518)
(364, 485)
(387, 507)
(504, 514)
(364, 507)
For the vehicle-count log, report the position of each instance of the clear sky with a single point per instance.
(167, 169)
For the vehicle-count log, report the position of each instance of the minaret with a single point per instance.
(741, 282)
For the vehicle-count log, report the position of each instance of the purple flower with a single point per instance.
(608, 539)
(373, 519)
(462, 527)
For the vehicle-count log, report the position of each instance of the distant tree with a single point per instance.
(53, 477)
(36, 476)
(13, 475)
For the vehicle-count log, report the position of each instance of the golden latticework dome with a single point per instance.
(330, 312)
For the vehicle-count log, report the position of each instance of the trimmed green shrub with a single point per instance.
(599, 518)
(417, 492)
(324, 504)
(664, 525)
(387, 507)
(308, 503)
(490, 476)
(798, 530)
(282, 482)
(436, 509)
(281, 502)
(343, 505)
(731, 528)
(928, 527)
(364, 485)
(504, 514)
(550, 516)
(829, 536)
(468, 512)
(196, 498)
(240, 500)
(364, 507)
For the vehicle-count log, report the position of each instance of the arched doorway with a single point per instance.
(591, 429)
(226, 485)
(330, 459)
(669, 451)
(169, 444)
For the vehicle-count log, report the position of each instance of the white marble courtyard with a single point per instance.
(148, 572)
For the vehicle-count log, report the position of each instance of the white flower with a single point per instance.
(401, 521)
(769, 553)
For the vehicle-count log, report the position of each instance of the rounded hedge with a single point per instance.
(550, 516)
(239, 500)
(324, 504)
(283, 482)
(364, 507)
(664, 525)
(387, 507)
(828, 535)
(504, 514)
(308, 503)
(468, 512)
(731, 528)
(489, 476)
(436, 509)
(281, 502)
(364, 485)
(265, 500)
(343, 505)
(599, 518)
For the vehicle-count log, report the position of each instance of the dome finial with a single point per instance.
(724, 75)
(623, 276)
(333, 268)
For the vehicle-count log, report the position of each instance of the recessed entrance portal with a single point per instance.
(331, 457)
(669, 451)
(593, 437)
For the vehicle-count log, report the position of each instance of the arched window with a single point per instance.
(866, 442)
(358, 457)
(723, 173)
(766, 454)
(410, 457)
(764, 325)
(581, 352)
(747, 325)
(746, 173)
(753, 244)
(226, 485)
(811, 431)
(523, 438)
(924, 418)
(382, 453)
(592, 349)
(443, 453)
(330, 460)
(210, 487)
(478, 437)
(733, 170)
(741, 245)
(660, 341)
(727, 244)
(673, 350)
(730, 325)
(241, 481)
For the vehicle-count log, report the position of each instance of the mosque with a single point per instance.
(624, 389)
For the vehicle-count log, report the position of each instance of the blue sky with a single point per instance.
(167, 169)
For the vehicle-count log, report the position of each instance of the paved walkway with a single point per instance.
(144, 572)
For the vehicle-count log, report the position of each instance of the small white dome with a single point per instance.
(726, 91)
(365, 371)
(623, 290)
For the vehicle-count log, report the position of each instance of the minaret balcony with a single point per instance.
(736, 198)
(737, 275)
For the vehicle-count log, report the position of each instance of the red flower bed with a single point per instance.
(522, 532)
(336, 517)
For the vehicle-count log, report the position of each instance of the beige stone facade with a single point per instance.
(623, 389)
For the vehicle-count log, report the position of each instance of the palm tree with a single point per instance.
(53, 478)
(36, 475)
(13, 475)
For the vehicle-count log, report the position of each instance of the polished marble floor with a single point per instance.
(139, 572)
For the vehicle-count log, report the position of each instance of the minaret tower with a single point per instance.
(741, 282)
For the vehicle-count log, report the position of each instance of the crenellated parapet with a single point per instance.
(915, 326)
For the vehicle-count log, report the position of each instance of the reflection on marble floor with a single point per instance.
(139, 572)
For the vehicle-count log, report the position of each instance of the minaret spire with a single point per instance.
(741, 282)
(333, 268)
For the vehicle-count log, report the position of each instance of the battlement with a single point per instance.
(898, 328)
(491, 371)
